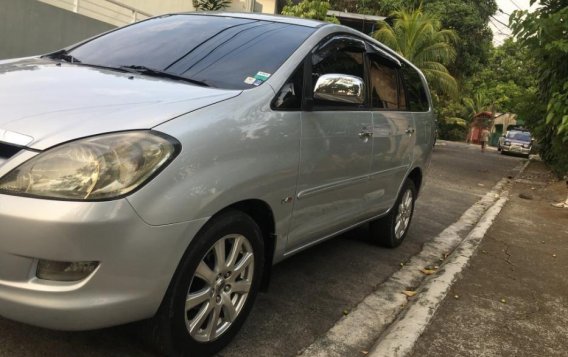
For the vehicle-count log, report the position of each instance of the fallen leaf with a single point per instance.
(503, 301)
(436, 267)
(554, 255)
(345, 312)
(427, 271)
(456, 296)
(401, 264)
(409, 293)
(365, 352)
(480, 185)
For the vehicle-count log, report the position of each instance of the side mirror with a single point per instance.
(341, 88)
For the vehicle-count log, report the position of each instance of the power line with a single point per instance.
(514, 3)
(501, 10)
(499, 21)
(499, 30)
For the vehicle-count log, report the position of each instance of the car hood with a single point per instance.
(52, 103)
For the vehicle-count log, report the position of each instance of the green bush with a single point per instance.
(309, 9)
(452, 132)
(211, 5)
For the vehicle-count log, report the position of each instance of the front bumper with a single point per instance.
(137, 262)
(516, 149)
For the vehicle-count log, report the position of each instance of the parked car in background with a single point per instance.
(517, 141)
(159, 170)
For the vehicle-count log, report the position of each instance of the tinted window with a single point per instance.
(519, 135)
(384, 84)
(290, 95)
(416, 99)
(341, 56)
(220, 51)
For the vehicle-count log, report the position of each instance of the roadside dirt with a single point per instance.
(513, 298)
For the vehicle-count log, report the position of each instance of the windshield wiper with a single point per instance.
(64, 56)
(159, 73)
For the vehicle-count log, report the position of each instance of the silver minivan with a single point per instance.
(159, 170)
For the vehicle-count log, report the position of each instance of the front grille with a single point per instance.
(8, 150)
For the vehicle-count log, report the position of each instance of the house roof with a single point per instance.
(352, 16)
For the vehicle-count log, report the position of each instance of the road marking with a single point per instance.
(359, 330)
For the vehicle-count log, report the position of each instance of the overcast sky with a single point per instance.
(501, 19)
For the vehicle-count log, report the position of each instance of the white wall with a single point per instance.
(106, 11)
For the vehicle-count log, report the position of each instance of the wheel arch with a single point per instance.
(416, 177)
(262, 214)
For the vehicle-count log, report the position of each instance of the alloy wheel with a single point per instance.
(404, 214)
(219, 288)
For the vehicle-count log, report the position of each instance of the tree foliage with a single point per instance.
(507, 79)
(470, 20)
(544, 32)
(211, 5)
(309, 9)
(419, 38)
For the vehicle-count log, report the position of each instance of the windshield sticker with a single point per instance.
(249, 80)
(257, 82)
(262, 76)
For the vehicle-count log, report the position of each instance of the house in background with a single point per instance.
(497, 125)
(364, 23)
(123, 12)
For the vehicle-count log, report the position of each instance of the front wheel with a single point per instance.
(390, 230)
(214, 288)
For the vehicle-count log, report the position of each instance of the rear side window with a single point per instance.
(416, 98)
(223, 52)
(384, 84)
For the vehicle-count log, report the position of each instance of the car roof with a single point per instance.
(263, 17)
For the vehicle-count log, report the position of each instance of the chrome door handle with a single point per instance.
(410, 131)
(365, 134)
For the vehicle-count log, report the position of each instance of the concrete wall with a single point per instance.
(29, 27)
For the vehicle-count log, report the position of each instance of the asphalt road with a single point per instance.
(310, 291)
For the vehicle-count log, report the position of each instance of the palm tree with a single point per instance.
(479, 103)
(419, 38)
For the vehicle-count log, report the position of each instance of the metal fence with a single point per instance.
(109, 11)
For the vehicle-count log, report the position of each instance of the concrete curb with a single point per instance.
(401, 336)
(360, 330)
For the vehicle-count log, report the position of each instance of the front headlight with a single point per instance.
(97, 168)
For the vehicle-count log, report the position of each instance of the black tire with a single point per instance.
(383, 230)
(170, 334)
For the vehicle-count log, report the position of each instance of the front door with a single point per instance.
(335, 151)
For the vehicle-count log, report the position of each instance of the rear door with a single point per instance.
(393, 131)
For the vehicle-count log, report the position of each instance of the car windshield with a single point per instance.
(220, 51)
(519, 135)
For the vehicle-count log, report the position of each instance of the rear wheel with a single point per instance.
(214, 288)
(390, 230)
